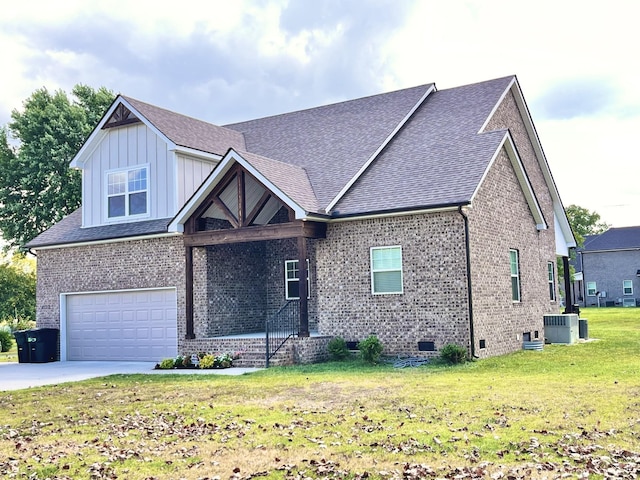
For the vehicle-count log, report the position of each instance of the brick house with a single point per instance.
(608, 269)
(423, 216)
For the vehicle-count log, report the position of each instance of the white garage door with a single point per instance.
(129, 325)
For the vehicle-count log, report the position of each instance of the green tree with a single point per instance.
(584, 222)
(17, 288)
(37, 187)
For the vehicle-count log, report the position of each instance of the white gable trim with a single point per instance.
(364, 167)
(498, 103)
(232, 157)
(560, 217)
(509, 146)
(211, 157)
(98, 133)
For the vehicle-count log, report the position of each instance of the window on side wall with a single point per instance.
(627, 287)
(292, 280)
(552, 281)
(515, 275)
(127, 193)
(591, 289)
(386, 270)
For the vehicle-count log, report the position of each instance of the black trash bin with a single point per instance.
(37, 346)
(24, 353)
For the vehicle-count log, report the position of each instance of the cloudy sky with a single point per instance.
(223, 61)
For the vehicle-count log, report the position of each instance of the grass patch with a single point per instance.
(566, 410)
(11, 355)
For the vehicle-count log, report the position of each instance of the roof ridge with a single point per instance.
(428, 91)
(333, 104)
(128, 99)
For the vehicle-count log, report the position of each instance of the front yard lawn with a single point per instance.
(11, 355)
(571, 410)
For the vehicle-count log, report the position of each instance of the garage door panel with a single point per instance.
(131, 325)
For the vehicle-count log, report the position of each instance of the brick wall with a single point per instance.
(277, 252)
(433, 306)
(236, 288)
(151, 263)
(499, 220)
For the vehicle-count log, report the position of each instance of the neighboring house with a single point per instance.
(608, 269)
(423, 216)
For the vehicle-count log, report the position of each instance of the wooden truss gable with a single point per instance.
(120, 116)
(246, 207)
(242, 208)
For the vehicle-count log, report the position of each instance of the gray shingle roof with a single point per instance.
(190, 132)
(331, 142)
(291, 179)
(437, 158)
(614, 239)
(69, 230)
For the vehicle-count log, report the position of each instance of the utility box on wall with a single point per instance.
(561, 328)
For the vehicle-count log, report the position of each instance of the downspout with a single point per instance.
(469, 294)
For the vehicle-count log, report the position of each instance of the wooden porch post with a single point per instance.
(303, 291)
(188, 273)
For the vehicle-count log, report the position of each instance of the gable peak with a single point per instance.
(121, 116)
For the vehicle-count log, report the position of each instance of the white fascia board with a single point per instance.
(527, 189)
(371, 216)
(558, 208)
(523, 180)
(177, 224)
(375, 154)
(498, 103)
(211, 157)
(94, 138)
(106, 241)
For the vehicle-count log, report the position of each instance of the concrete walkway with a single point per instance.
(16, 376)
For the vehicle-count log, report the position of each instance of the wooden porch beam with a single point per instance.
(227, 213)
(253, 214)
(256, 233)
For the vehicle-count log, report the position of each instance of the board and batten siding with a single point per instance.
(127, 147)
(191, 173)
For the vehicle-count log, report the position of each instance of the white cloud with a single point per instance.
(231, 60)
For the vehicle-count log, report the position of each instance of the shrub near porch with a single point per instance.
(566, 410)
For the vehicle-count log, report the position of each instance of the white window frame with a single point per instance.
(288, 280)
(126, 193)
(630, 287)
(593, 289)
(515, 275)
(381, 270)
(551, 271)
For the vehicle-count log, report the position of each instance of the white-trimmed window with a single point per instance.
(591, 289)
(386, 270)
(292, 280)
(552, 280)
(515, 275)
(127, 192)
(627, 287)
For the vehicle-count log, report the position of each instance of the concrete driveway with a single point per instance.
(16, 376)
